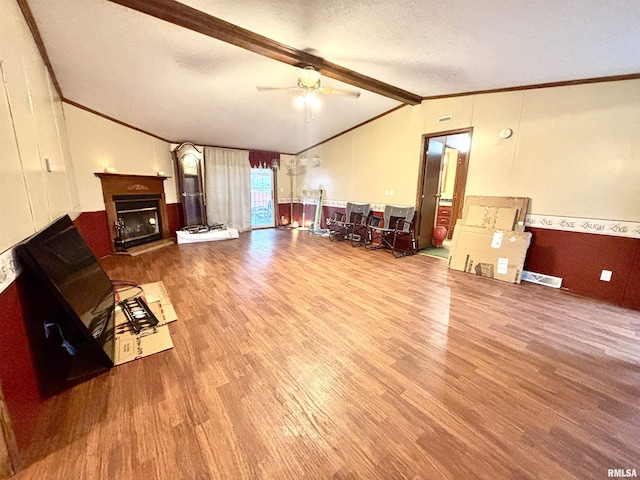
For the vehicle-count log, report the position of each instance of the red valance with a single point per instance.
(263, 159)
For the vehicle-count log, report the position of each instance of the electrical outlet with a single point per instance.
(386, 193)
(605, 276)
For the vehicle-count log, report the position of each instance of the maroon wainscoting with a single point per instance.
(579, 258)
(17, 371)
(176, 219)
(284, 210)
(94, 229)
(631, 297)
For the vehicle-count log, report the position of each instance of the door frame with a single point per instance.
(460, 184)
(274, 205)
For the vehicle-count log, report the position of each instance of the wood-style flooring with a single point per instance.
(299, 358)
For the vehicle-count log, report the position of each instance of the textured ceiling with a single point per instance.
(182, 85)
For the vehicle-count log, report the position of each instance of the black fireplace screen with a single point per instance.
(138, 222)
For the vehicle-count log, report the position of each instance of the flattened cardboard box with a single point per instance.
(501, 218)
(505, 213)
(520, 204)
(131, 346)
(493, 253)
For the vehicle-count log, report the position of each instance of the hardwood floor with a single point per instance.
(298, 358)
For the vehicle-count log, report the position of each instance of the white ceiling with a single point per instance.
(181, 85)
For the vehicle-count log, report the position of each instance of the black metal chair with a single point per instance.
(335, 224)
(352, 225)
(395, 232)
(358, 218)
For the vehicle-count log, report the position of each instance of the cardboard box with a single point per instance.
(489, 252)
(506, 213)
(131, 346)
(502, 218)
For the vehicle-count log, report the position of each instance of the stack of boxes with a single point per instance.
(490, 240)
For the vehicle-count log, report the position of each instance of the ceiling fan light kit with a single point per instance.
(309, 78)
(310, 87)
(307, 99)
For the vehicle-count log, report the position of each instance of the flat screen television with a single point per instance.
(60, 258)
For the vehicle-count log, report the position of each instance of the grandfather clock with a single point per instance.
(190, 184)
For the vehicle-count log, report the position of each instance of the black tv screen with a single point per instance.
(61, 258)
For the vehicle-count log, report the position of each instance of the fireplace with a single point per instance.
(136, 209)
(138, 221)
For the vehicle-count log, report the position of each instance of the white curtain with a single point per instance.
(228, 187)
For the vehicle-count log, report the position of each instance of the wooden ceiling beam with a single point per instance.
(198, 21)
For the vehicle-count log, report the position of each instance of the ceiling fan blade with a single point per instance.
(269, 89)
(334, 91)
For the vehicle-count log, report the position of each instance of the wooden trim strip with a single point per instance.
(119, 122)
(566, 83)
(31, 22)
(198, 21)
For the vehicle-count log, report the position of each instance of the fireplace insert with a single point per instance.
(138, 221)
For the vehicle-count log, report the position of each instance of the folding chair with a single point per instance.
(336, 226)
(395, 232)
(352, 225)
(357, 218)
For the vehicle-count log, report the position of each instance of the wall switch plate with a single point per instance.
(605, 276)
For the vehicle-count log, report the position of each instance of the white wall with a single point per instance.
(364, 164)
(575, 150)
(578, 151)
(97, 143)
(32, 128)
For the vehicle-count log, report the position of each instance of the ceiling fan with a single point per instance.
(310, 87)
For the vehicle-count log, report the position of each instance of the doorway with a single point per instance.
(262, 213)
(442, 182)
